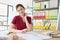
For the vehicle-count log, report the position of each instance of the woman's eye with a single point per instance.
(20, 9)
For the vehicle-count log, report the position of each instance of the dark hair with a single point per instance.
(19, 5)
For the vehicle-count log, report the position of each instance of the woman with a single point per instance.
(21, 23)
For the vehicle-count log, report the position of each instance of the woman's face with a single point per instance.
(21, 10)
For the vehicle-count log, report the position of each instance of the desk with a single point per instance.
(10, 37)
(31, 36)
(47, 34)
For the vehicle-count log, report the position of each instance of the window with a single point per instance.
(4, 12)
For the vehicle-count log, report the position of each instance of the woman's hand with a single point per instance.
(25, 18)
(24, 30)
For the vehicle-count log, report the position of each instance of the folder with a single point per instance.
(53, 24)
(53, 14)
(54, 17)
(39, 15)
(38, 25)
(36, 6)
(47, 15)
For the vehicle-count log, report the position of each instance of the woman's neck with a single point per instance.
(22, 16)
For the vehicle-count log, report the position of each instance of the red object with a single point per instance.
(39, 17)
(18, 22)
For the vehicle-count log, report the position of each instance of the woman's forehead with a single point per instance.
(20, 7)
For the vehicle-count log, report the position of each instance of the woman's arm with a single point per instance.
(29, 26)
(11, 29)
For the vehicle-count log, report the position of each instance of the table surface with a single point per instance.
(10, 37)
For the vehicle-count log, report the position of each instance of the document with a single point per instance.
(3, 34)
(32, 36)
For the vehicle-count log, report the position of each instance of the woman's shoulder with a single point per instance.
(16, 16)
(28, 17)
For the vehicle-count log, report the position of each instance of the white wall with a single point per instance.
(11, 2)
(14, 3)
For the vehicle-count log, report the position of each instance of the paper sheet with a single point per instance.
(47, 32)
(3, 34)
(28, 36)
(33, 36)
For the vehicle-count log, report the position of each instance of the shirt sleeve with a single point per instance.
(29, 20)
(14, 20)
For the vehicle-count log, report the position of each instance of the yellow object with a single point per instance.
(38, 25)
(47, 26)
(48, 17)
(53, 25)
(53, 28)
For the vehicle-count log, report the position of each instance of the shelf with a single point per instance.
(3, 15)
(40, 0)
(3, 21)
(50, 9)
(4, 25)
(45, 19)
(51, 19)
(47, 9)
